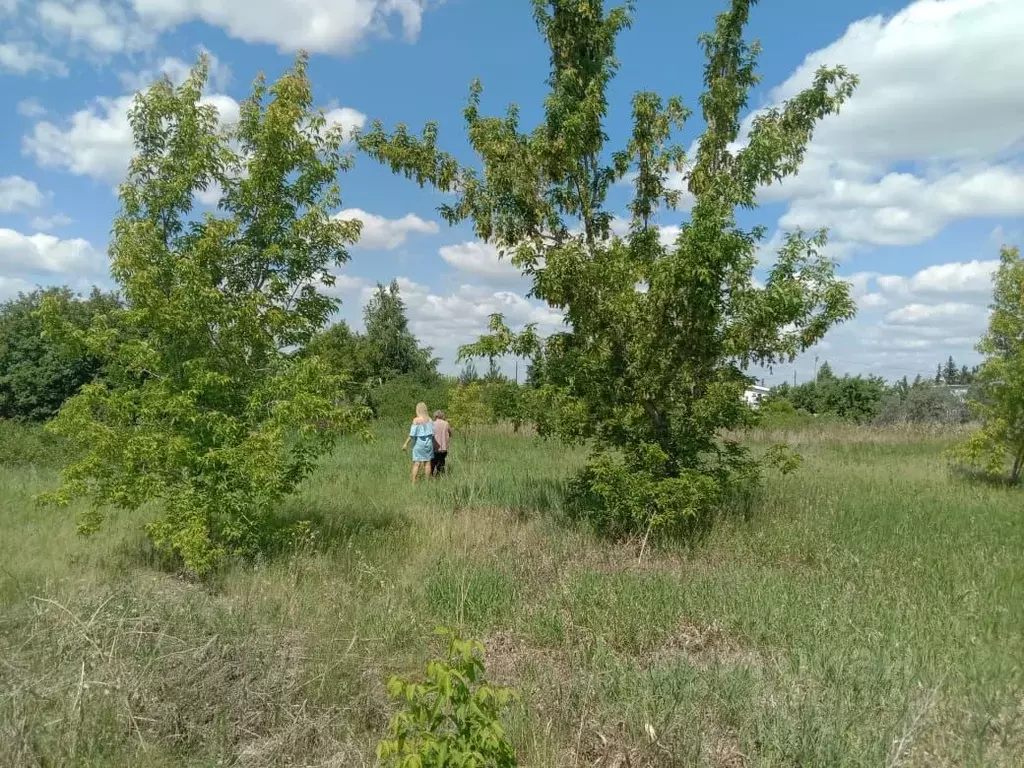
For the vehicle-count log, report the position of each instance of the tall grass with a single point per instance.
(868, 613)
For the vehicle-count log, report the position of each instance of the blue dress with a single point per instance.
(422, 441)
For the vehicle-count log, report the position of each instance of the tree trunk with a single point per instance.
(1018, 465)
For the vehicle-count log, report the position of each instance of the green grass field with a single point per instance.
(868, 612)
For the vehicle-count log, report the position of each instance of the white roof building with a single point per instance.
(754, 394)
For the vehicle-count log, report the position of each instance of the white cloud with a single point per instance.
(18, 194)
(958, 282)
(447, 321)
(10, 287)
(444, 321)
(931, 134)
(46, 223)
(23, 58)
(903, 209)
(872, 300)
(930, 314)
(319, 26)
(105, 28)
(481, 260)
(219, 74)
(937, 80)
(349, 119)
(384, 234)
(97, 141)
(667, 233)
(346, 286)
(30, 108)
(837, 249)
(909, 323)
(23, 255)
(972, 277)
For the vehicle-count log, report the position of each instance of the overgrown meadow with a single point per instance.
(863, 611)
(261, 576)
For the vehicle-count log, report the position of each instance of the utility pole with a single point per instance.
(815, 369)
(794, 377)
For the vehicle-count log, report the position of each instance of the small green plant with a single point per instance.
(467, 407)
(452, 718)
(783, 458)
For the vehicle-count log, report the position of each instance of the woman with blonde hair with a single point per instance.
(421, 435)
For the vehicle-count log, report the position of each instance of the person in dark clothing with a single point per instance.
(442, 435)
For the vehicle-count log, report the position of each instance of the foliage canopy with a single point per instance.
(203, 407)
(36, 373)
(651, 366)
(391, 348)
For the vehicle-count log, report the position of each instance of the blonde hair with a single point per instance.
(422, 412)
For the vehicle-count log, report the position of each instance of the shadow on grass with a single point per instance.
(298, 526)
(741, 503)
(982, 477)
(525, 500)
(322, 526)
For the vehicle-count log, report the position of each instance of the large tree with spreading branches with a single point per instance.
(652, 363)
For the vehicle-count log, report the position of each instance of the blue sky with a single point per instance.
(920, 179)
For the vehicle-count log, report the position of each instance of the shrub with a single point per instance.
(395, 400)
(779, 413)
(468, 407)
(620, 495)
(924, 404)
(1000, 441)
(452, 718)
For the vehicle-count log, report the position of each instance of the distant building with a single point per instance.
(754, 394)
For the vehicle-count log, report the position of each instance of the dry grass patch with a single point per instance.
(702, 646)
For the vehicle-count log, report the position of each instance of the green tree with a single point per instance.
(392, 349)
(1001, 376)
(506, 400)
(343, 350)
(951, 373)
(500, 342)
(37, 374)
(902, 389)
(468, 374)
(652, 364)
(853, 398)
(825, 373)
(203, 407)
